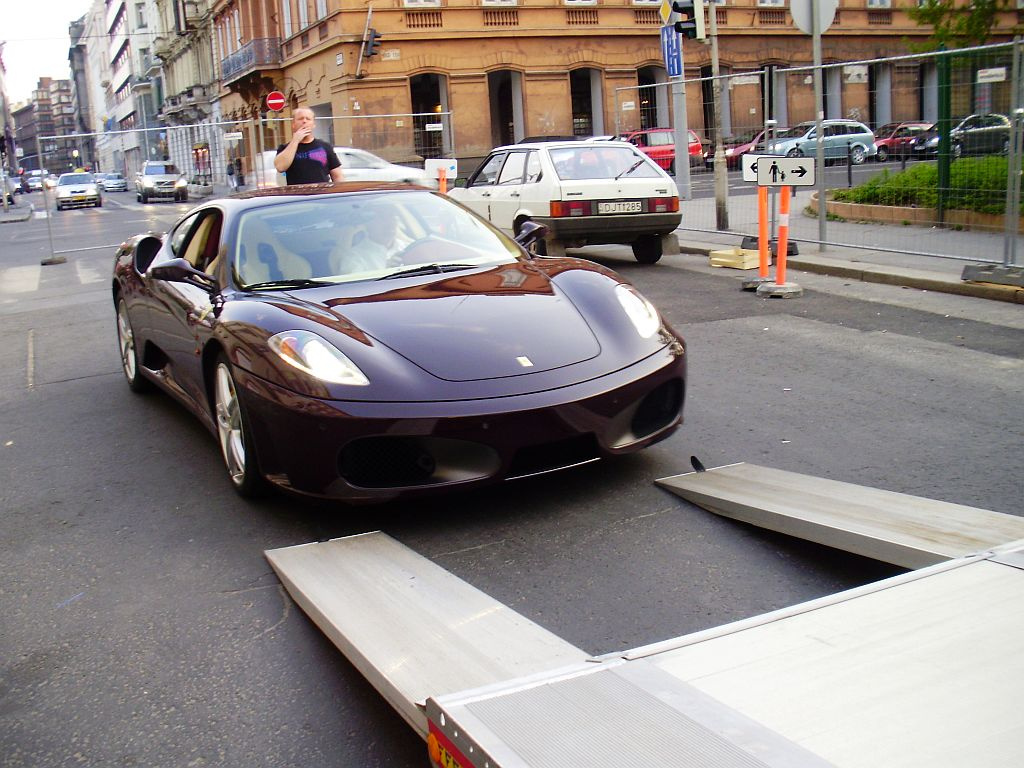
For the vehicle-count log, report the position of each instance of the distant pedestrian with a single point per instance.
(239, 176)
(232, 181)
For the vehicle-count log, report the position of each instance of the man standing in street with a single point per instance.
(305, 160)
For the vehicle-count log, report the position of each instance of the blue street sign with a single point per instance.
(672, 51)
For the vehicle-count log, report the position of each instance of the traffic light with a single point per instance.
(691, 22)
(373, 38)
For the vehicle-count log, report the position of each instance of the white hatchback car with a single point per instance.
(584, 192)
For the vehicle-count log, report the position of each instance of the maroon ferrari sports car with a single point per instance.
(364, 341)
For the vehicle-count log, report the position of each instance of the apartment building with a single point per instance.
(184, 52)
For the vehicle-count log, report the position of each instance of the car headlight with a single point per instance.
(181, 183)
(317, 357)
(639, 310)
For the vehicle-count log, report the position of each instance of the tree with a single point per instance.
(956, 24)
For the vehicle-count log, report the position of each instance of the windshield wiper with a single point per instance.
(297, 283)
(631, 168)
(427, 269)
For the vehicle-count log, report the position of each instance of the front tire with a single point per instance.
(794, 153)
(883, 154)
(143, 198)
(857, 154)
(129, 353)
(234, 435)
(647, 249)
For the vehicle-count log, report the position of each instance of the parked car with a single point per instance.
(357, 164)
(76, 190)
(981, 135)
(843, 138)
(464, 362)
(584, 192)
(660, 145)
(160, 179)
(925, 144)
(114, 182)
(896, 139)
(35, 180)
(735, 148)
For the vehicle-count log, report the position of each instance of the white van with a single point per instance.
(358, 165)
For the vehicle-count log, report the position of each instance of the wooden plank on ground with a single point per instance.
(908, 531)
(410, 627)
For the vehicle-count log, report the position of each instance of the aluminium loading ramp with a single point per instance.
(908, 531)
(919, 670)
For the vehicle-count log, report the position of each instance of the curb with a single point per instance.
(907, 278)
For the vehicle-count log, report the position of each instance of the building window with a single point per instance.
(303, 14)
(579, 2)
(321, 8)
(879, 3)
(421, 3)
(780, 3)
(238, 27)
(515, 2)
(286, 17)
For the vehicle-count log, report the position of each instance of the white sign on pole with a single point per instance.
(628, 106)
(994, 75)
(785, 171)
(433, 127)
(800, 10)
(233, 136)
(748, 163)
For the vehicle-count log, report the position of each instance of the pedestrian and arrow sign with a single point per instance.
(776, 171)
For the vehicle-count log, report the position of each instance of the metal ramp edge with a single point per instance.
(909, 531)
(410, 627)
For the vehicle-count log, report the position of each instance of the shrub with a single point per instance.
(975, 184)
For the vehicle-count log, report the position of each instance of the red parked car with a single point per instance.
(896, 139)
(660, 145)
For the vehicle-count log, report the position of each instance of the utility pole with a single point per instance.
(721, 171)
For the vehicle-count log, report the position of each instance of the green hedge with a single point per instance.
(976, 184)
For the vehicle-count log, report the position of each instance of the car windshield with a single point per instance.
(158, 169)
(74, 178)
(353, 158)
(795, 132)
(345, 238)
(114, 177)
(604, 162)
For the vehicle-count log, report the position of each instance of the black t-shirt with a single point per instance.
(313, 163)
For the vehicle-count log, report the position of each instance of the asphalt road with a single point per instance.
(142, 625)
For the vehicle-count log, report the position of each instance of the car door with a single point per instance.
(476, 195)
(182, 314)
(507, 191)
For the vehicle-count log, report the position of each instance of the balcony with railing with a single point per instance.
(261, 53)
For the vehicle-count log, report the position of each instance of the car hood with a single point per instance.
(508, 320)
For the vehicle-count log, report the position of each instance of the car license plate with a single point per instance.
(80, 198)
(620, 206)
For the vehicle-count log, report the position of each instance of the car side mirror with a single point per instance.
(530, 232)
(180, 271)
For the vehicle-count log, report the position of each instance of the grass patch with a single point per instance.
(975, 184)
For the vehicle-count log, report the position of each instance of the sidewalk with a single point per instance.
(930, 273)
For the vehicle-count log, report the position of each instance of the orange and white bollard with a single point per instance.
(764, 245)
(780, 288)
(442, 180)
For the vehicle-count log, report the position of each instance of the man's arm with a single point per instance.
(334, 165)
(286, 156)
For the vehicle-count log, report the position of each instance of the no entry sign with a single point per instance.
(275, 101)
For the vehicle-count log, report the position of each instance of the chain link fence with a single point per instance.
(943, 156)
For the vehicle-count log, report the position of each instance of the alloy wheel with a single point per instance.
(230, 431)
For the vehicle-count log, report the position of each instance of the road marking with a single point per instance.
(86, 273)
(20, 279)
(30, 368)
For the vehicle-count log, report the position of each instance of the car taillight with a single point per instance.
(561, 208)
(663, 204)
